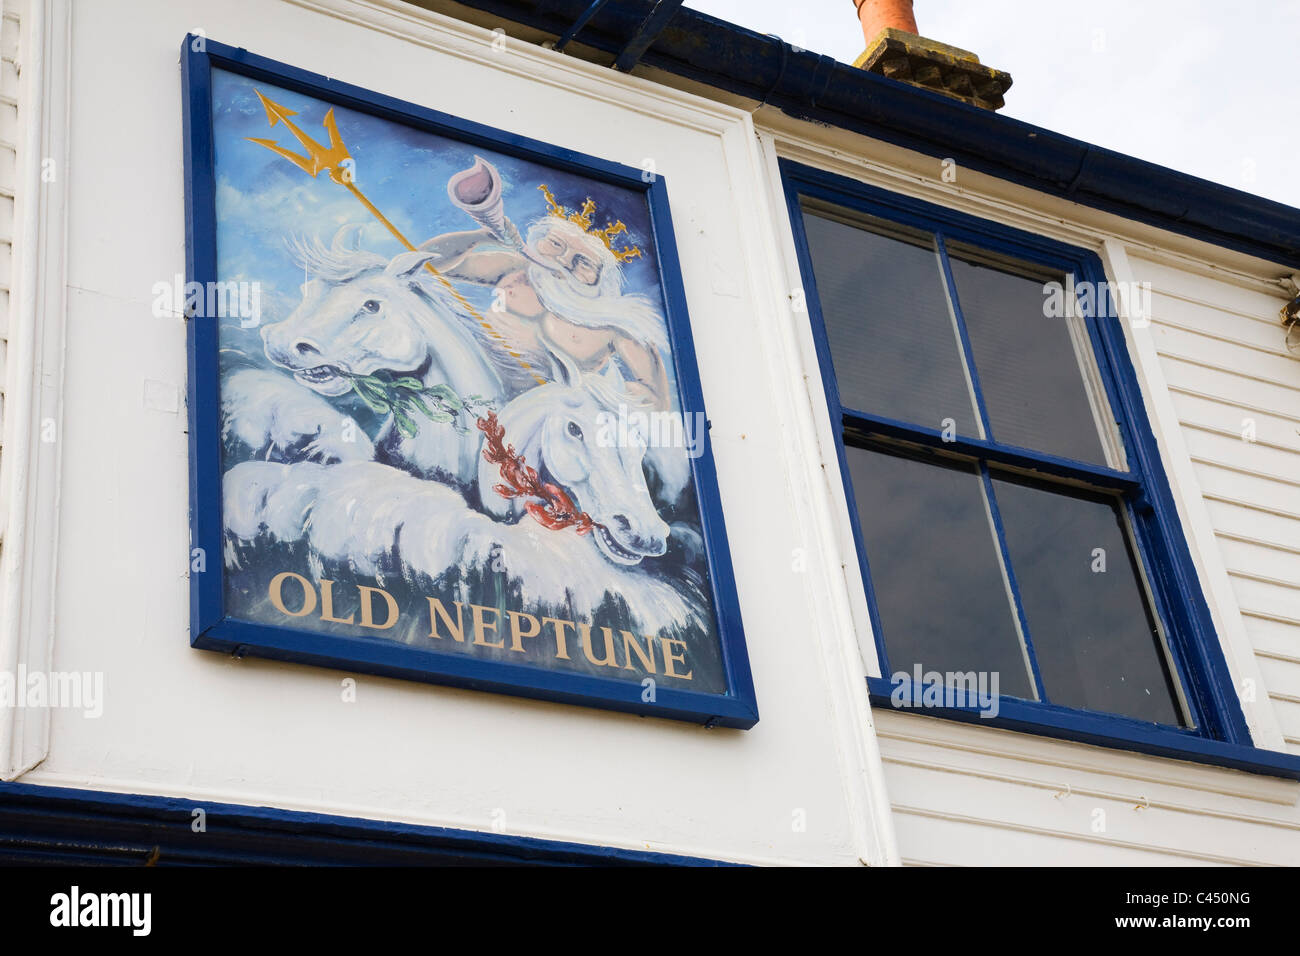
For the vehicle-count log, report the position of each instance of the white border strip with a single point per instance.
(35, 389)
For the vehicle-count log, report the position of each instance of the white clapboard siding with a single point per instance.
(1236, 390)
(9, 67)
(971, 795)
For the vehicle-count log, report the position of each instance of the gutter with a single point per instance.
(817, 88)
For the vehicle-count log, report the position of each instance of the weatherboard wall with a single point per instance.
(197, 724)
(10, 31)
(1236, 391)
(822, 778)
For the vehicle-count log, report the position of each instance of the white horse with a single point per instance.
(363, 512)
(360, 314)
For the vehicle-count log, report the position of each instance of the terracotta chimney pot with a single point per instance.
(878, 15)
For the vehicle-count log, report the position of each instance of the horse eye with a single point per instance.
(575, 431)
(370, 305)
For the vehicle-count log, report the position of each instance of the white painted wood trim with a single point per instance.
(831, 571)
(841, 548)
(28, 567)
(990, 751)
(536, 64)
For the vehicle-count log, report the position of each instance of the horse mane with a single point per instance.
(611, 394)
(341, 261)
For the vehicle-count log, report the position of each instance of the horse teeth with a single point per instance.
(608, 537)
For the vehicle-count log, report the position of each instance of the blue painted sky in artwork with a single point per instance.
(264, 200)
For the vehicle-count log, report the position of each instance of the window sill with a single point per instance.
(1100, 730)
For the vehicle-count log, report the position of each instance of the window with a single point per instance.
(1005, 493)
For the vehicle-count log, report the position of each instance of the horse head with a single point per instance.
(360, 314)
(563, 430)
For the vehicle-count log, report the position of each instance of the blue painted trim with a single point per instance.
(814, 87)
(583, 18)
(1100, 730)
(213, 630)
(1095, 475)
(64, 825)
(655, 22)
(206, 589)
(1160, 542)
(726, 601)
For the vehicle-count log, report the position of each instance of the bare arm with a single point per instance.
(650, 376)
(461, 258)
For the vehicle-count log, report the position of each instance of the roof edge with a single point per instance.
(818, 88)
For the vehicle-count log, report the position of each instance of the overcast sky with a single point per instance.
(1208, 87)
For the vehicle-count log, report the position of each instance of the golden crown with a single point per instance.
(583, 218)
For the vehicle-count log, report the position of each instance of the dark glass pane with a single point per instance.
(1093, 634)
(1028, 368)
(890, 326)
(935, 569)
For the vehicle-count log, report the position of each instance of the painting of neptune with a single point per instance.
(452, 419)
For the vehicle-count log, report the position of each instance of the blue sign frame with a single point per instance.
(212, 628)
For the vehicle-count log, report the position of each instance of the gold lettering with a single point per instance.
(631, 645)
(670, 658)
(367, 610)
(277, 599)
(480, 626)
(327, 603)
(517, 636)
(608, 660)
(457, 630)
(561, 642)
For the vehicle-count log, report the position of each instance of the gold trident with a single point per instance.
(333, 158)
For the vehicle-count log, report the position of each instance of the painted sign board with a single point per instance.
(446, 421)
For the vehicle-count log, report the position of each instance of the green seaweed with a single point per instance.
(408, 399)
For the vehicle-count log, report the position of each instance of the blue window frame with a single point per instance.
(898, 446)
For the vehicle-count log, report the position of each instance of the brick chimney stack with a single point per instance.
(894, 49)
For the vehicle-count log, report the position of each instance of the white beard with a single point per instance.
(633, 315)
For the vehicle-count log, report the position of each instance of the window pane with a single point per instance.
(936, 570)
(1028, 367)
(1095, 638)
(890, 326)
